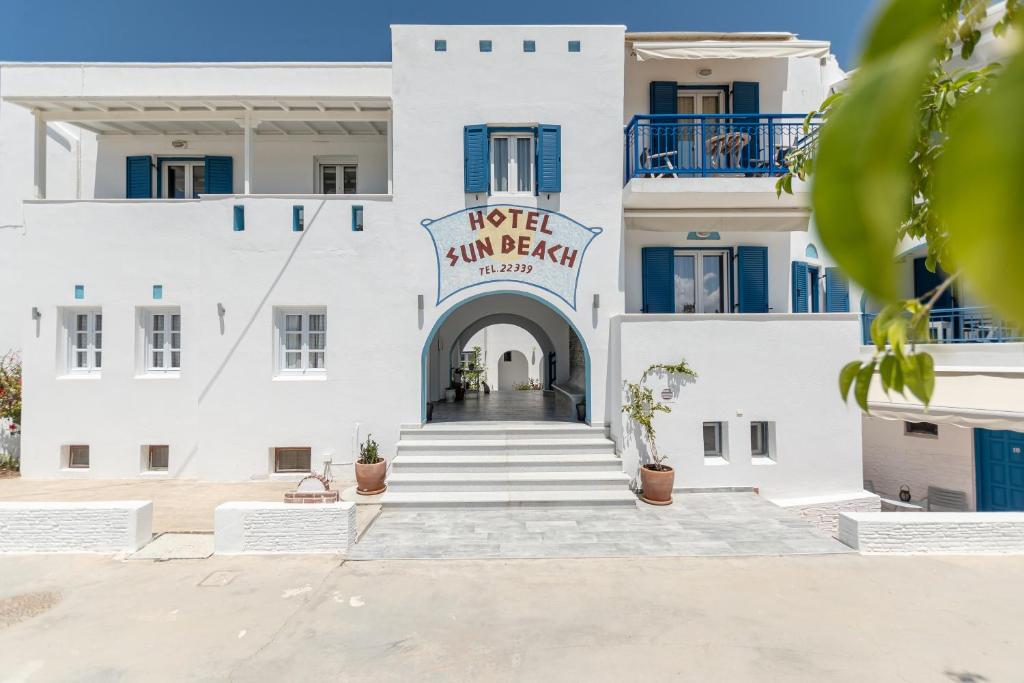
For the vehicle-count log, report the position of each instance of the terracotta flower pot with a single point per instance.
(657, 485)
(370, 478)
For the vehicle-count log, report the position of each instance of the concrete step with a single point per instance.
(459, 482)
(509, 431)
(433, 500)
(506, 463)
(546, 446)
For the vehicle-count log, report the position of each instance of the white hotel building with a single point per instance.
(230, 271)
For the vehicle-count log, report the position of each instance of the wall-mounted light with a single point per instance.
(36, 315)
(419, 301)
(597, 301)
(704, 72)
(179, 144)
(220, 309)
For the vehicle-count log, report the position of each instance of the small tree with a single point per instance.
(640, 406)
(10, 388)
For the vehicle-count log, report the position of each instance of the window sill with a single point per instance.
(762, 460)
(175, 374)
(314, 377)
(81, 375)
(715, 460)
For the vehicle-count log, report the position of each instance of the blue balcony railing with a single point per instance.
(702, 145)
(974, 325)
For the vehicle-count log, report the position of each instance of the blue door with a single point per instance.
(999, 469)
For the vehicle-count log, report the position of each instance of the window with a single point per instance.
(163, 340)
(485, 46)
(158, 458)
(357, 218)
(507, 357)
(512, 163)
(440, 46)
(184, 179)
(574, 46)
(78, 457)
(920, 429)
(291, 459)
(336, 176)
(701, 281)
(529, 46)
(303, 341)
(85, 340)
(713, 440)
(760, 440)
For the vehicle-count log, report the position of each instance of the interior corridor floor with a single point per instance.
(507, 406)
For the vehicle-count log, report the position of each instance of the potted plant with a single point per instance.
(656, 478)
(371, 469)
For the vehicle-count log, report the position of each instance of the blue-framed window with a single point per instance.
(440, 46)
(529, 46)
(485, 46)
(574, 46)
(357, 218)
(514, 160)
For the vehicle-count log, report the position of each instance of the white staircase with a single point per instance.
(492, 464)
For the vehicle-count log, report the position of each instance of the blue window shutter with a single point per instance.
(664, 96)
(476, 153)
(138, 177)
(549, 158)
(837, 292)
(659, 279)
(752, 279)
(800, 289)
(746, 99)
(220, 177)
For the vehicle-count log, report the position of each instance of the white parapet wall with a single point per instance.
(823, 511)
(934, 533)
(83, 527)
(268, 528)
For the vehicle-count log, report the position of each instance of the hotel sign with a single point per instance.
(507, 243)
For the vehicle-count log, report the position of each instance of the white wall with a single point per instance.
(755, 367)
(779, 259)
(787, 85)
(934, 533)
(495, 340)
(256, 528)
(80, 527)
(893, 459)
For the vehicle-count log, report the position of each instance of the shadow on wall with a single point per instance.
(10, 442)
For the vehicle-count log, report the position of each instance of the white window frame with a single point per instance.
(304, 335)
(767, 429)
(341, 163)
(149, 458)
(719, 429)
(167, 348)
(277, 453)
(513, 164)
(698, 278)
(93, 340)
(165, 173)
(71, 457)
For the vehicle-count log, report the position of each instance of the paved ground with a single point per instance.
(506, 406)
(695, 524)
(178, 504)
(822, 618)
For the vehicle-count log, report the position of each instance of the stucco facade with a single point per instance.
(241, 264)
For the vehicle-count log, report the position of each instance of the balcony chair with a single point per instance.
(663, 160)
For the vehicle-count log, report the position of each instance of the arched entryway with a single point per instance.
(554, 336)
(513, 370)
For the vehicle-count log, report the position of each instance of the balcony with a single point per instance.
(965, 325)
(710, 145)
(714, 171)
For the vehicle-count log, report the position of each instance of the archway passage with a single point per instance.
(488, 359)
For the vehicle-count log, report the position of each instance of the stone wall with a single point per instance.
(942, 533)
(269, 528)
(83, 527)
(824, 511)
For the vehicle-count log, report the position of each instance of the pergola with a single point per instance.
(208, 116)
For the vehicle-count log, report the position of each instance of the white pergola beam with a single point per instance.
(182, 116)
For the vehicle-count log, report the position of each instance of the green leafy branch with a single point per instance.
(914, 149)
(640, 405)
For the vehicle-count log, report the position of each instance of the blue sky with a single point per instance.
(357, 30)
